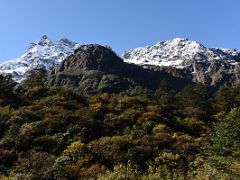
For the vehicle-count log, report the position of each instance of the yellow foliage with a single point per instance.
(73, 149)
(96, 106)
(84, 160)
(159, 128)
(105, 96)
(168, 159)
(219, 116)
(5, 113)
(192, 123)
(5, 178)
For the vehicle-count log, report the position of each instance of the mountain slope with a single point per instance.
(95, 69)
(211, 66)
(178, 52)
(44, 54)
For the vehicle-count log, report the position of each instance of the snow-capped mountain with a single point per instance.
(179, 53)
(186, 58)
(44, 54)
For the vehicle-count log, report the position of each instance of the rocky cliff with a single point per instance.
(94, 69)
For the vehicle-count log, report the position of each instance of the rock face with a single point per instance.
(211, 66)
(42, 54)
(94, 68)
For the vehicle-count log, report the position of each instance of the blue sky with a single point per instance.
(122, 24)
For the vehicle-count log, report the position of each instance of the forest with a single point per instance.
(57, 133)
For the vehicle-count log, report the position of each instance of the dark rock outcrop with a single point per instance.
(94, 68)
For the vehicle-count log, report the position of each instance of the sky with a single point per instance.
(122, 24)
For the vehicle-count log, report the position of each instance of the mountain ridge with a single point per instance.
(179, 57)
(210, 66)
(174, 52)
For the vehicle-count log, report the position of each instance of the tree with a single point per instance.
(7, 95)
(195, 98)
(34, 86)
(164, 93)
(228, 98)
(37, 78)
(226, 140)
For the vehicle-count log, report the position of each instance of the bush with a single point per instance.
(120, 172)
(215, 167)
(33, 165)
(168, 166)
(193, 126)
(110, 150)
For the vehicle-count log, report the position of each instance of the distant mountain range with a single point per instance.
(97, 68)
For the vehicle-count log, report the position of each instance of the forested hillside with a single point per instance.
(57, 133)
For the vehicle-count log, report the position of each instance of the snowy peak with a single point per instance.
(44, 53)
(179, 53)
(45, 41)
(184, 45)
